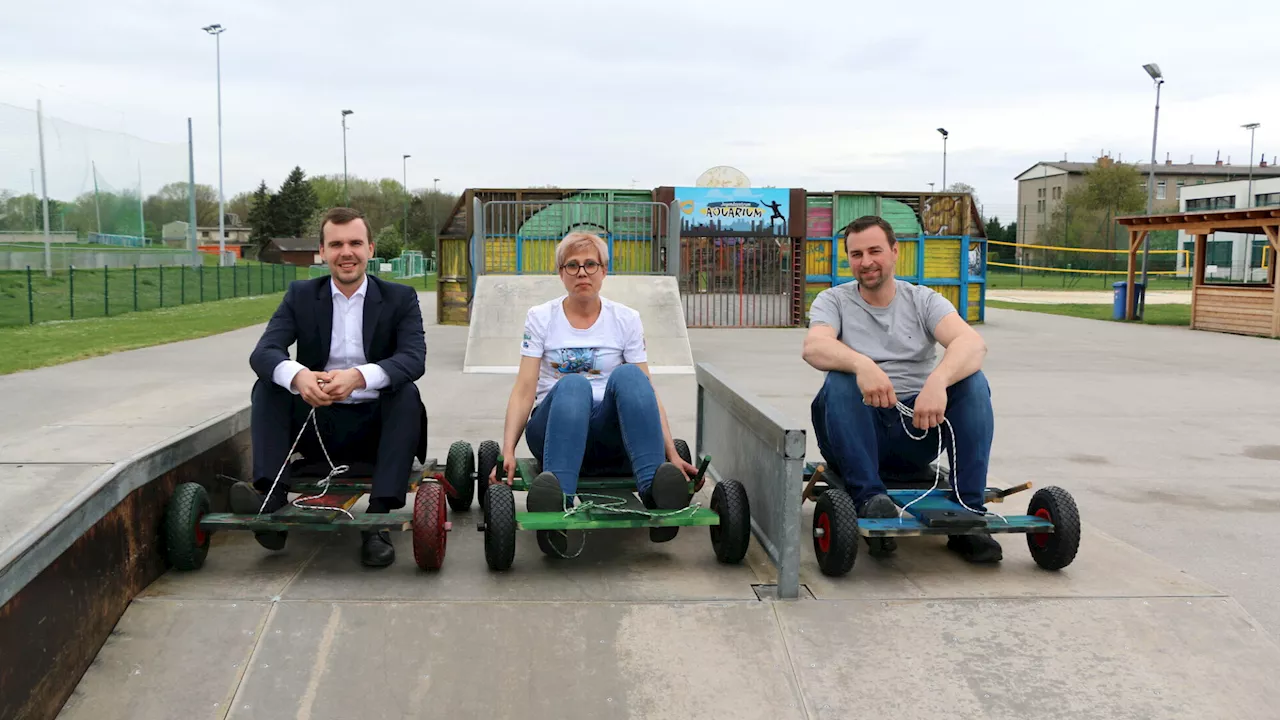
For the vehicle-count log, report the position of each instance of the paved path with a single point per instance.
(1167, 438)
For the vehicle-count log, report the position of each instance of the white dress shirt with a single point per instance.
(346, 348)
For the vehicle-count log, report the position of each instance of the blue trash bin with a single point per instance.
(1121, 297)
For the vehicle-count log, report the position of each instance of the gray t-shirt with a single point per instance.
(898, 338)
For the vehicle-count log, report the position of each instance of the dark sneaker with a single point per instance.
(976, 548)
(669, 491)
(545, 496)
(377, 550)
(246, 500)
(880, 506)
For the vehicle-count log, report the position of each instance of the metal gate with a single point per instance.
(519, 237)
(737, 281)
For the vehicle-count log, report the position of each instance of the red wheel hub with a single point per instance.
(201, 535)
(1042, 539)
(824, 523)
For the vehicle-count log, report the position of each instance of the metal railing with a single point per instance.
(519, 237)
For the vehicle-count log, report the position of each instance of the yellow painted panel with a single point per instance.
(500, 255)
(817, 257)
(908, 258)
(632, 256)
(453, 258)
(942, 259)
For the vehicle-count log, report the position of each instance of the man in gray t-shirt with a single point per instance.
(877, 340)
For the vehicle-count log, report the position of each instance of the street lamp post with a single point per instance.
(216, 31)
(1251, 127)
(1156, 76)
(346, 197)
(944, 158)
(404, 162)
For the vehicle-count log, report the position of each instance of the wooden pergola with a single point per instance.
(1244, 308)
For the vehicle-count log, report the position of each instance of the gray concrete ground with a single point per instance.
(1166, 437)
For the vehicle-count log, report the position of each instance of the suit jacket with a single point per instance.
(393, 335)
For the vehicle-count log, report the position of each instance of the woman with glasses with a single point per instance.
(583, 395)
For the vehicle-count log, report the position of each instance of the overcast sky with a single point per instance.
(835, 95)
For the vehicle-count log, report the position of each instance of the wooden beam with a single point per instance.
(1136, 240)
(1273, 234)
(1197, 273)
(1206, 223)
(1129, 289)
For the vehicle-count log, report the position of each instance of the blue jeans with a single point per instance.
(859, 441)
(571, 435)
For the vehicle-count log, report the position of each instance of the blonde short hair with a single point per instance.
(575, 241)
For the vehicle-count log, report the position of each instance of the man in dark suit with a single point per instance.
(361, 346)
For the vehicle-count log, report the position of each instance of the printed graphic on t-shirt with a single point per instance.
(568, 361)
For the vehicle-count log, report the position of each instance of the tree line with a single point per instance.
(292, 210)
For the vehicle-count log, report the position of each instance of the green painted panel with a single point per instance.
(900, 216)
(852, 207)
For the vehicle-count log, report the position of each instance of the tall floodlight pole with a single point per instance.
(346, 198)
(44, 190)
(1251, 127)
(216, 31)
(404, 168)
(944, 158)
(1156, 76)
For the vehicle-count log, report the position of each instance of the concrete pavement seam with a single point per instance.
(791, 663)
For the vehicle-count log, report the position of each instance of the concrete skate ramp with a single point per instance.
(501, 302)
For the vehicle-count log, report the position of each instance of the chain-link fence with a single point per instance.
(28, 297)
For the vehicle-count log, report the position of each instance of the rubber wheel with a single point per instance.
(459, 471)
(186, 544)
(1055, 550)
(487, 457)
(836, 547)
(682, 449)
(732, 536)
(499, 527)
(430, 525)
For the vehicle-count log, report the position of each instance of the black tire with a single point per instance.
(682, 449)
(731, 538)
(1055, 550)
(837, 546)
(185, 543)
(499, 527)
(459, 472)
(487, 459)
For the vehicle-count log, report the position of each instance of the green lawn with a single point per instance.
(56, 341)
(1001, 280)
(53, 343)
(1154, 314)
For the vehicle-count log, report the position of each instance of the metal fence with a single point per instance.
(519, 237)
(29, 297)
(736, 281)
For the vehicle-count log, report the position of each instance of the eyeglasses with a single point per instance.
(591, 266)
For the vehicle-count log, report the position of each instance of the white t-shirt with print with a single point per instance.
(617, 336)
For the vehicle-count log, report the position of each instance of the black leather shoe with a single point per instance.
(377, 550)
(246, 500)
